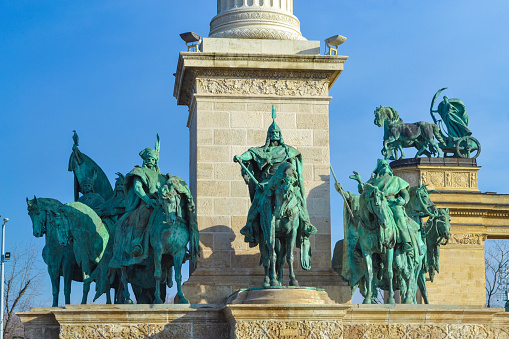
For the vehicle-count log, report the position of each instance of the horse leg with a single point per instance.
(408, 298)
(265, 263)
(178, 260)
(108, 297)
(67, 271)
(272, 255)
(86, 288)
(390, 271)
(86, 283)
(421, 281)
(125, 292)
(281, 257)
(55, 283)
(158, 256)
(368, 299)
(290, 245)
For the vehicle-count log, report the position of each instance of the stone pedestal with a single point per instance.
(263, 321)
(475, 216)
(230, 92)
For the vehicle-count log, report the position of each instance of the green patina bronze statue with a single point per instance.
(451, 131)
(160, 215)
(384, 247)
(399, 135)
(120, 236)
(458, 137)
(278, 211)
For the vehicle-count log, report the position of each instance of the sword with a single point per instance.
(342, 192)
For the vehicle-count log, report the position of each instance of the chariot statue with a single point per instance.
(453, 137)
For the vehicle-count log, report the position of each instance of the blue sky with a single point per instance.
(105, 69)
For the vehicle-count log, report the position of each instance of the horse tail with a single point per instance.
(194, 239)
(436, 131)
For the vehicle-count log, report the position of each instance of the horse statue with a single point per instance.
(399, 135)
(437, 232)
(61, 260)
(172, 228)
(377, 237)
(282, 228)
(79, 226)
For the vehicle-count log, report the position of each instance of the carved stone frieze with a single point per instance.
(233, 17)
(274, 329)
(460, 179)
(467, 239)
(278, 87)
(257, 33)
(260, 74)
(448, 179)
(255, 22)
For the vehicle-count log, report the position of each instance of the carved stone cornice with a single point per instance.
(256, 75)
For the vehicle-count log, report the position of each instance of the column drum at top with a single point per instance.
(255, 19)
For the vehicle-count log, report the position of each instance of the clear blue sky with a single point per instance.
(105, 69)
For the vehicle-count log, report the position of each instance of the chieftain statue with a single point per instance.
(451, 131)
(135, 234)
(160, 214)
(278, 218)
(386, 244)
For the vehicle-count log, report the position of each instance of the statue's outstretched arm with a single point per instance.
(246, 156)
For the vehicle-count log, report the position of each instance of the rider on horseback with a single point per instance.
(395, 190)
(262, 162)
(141, 186)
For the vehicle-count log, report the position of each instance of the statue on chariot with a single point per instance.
(453, 137)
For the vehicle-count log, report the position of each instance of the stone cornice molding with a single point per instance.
(282, 74)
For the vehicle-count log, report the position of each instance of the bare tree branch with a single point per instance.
(495, 259)
(23, 281)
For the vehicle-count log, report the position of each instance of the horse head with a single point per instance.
(58, 221)
(377, 205)
(420, 203)
(379, 116)
(168, 197)
(444, 225)
(285, 179)
(38, 216)
(385, 113)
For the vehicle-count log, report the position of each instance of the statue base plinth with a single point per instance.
(274, 295)
(441, 174)
(257, 321)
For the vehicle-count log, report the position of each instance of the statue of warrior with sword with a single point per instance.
(259, 164)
